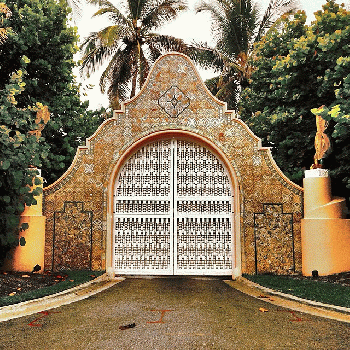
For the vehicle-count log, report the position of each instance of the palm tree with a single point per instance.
(237, 25)
(129, 44)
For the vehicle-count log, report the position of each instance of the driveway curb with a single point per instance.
(292, 302)
(65, 297)
(243, 285)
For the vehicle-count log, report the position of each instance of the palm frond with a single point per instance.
(100, 3)
(95, 52)
(233, 23)
(105, 76)
(136, 7)
(274, 11)
(75, 5)
(217, 13)
(114, 14)
(208, 57)
(167, 43)
(120, 74)
(156, 14)
(154, 50)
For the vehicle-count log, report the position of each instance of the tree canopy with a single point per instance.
(20, 152)
(5, 12)
(299, 68)
(40, 31)
(36, 62)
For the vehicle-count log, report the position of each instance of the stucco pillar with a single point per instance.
(24, 258)
(325, 233)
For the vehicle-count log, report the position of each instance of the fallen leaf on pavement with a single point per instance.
(265, 297)
(263, 310)
(12, 294)
(131, 325)
(25, 276)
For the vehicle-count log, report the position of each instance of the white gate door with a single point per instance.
(173, 212)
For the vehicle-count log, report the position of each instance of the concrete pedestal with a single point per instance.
(24, 258)
(325, 233)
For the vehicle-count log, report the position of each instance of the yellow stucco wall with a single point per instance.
(25, 257)
(325, 231)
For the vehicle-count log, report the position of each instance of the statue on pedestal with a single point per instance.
(322, 143)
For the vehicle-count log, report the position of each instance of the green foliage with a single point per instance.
(236, 26)
(19, 152)
(298, 68)
(41, 32)
(5, 12)
(41, 42)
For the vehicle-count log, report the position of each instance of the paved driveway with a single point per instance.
(172, 313)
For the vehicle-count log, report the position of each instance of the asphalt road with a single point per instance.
(172, 313)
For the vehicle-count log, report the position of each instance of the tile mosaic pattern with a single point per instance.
(174, 101)
(274, 228)
(72, 237)
(258, 178)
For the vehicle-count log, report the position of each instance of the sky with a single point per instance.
(188, 26)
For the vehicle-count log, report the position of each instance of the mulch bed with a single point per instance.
(12, 283)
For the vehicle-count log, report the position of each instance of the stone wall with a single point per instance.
(174, 99)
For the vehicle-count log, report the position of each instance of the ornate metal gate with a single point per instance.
(173, 212)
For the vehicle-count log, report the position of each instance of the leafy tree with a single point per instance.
(297, 69)
(20, 151)
(41, 32)
(5, 12)
(130, 44)
(237, 25)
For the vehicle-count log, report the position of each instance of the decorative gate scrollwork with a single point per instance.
(173, 212)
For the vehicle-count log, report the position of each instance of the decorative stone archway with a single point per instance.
(174, 102)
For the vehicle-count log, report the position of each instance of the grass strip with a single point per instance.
(74, 279)
(324, 292)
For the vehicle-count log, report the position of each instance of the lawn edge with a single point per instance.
(64, 297)
(338, 308)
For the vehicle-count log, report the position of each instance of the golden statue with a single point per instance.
(322, 143)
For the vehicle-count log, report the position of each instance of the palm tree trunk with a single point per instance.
(133, 82)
